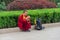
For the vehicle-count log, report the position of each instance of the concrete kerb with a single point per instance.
(16, 29)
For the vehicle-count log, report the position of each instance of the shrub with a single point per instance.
(32, 4)
(9, 18)
(6, 1)
(2, 6)
(58, 5)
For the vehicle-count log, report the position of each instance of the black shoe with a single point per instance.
(42, 28)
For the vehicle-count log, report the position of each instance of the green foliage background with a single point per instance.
(2, 6)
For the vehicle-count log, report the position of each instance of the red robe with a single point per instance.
(23, 24)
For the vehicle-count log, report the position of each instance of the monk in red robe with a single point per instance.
(24, 21)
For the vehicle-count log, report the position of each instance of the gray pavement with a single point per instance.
(52, 33)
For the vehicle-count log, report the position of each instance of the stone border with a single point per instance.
(16, 29)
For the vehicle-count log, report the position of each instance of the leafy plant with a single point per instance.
(2, 6)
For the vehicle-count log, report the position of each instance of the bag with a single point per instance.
(38, 25)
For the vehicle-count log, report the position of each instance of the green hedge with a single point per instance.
(9, 18)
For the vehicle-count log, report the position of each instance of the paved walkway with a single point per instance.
(52, 33)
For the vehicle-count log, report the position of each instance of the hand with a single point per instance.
(28, 18)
